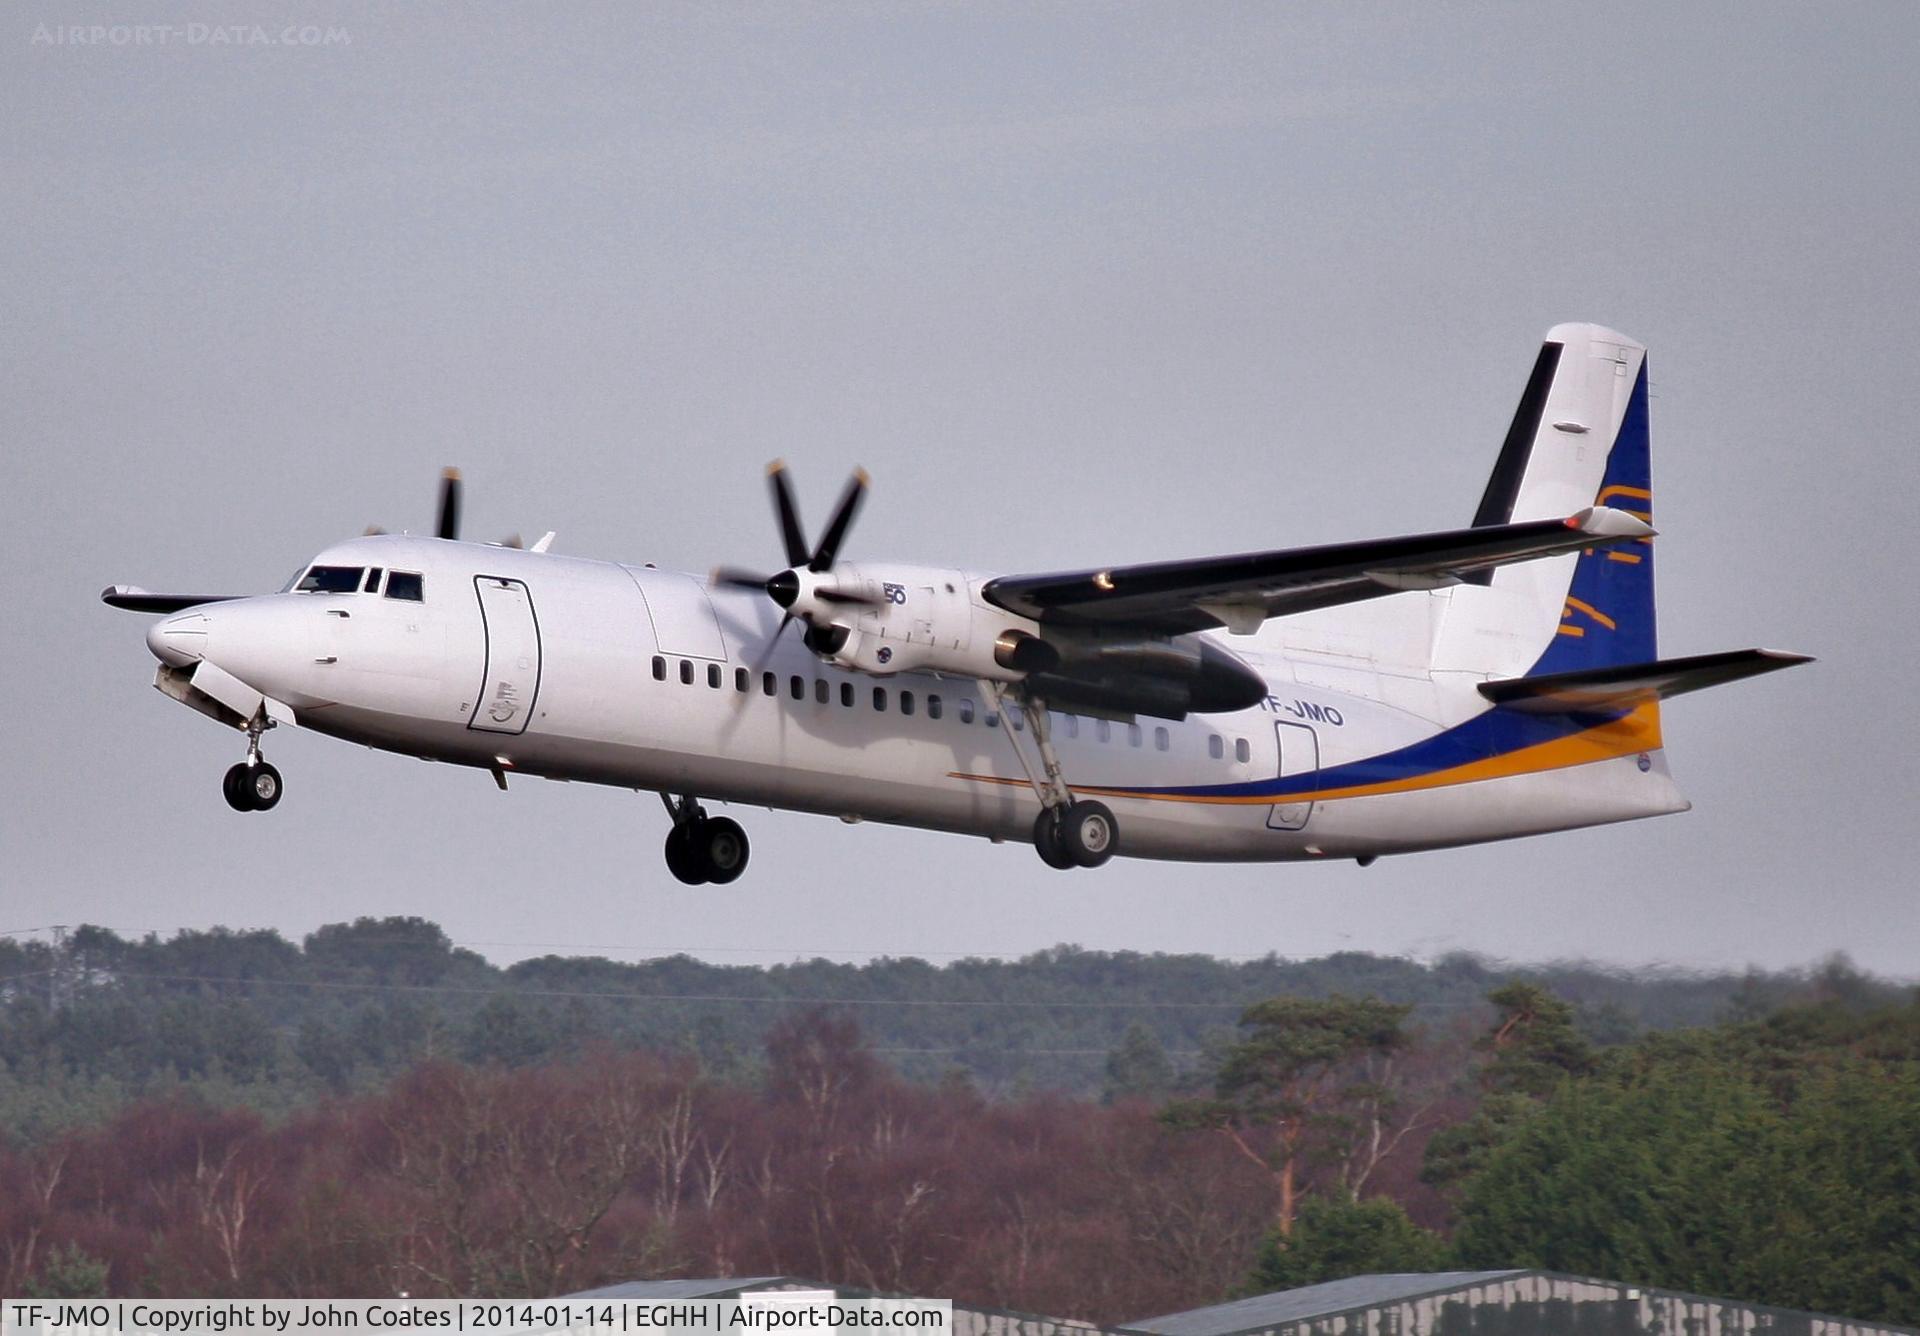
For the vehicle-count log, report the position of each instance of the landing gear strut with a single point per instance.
(702, 848)
(253, 785)
(1067, 833)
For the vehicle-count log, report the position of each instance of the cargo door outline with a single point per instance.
(1299, 748)
(685, 625)
(511, 684)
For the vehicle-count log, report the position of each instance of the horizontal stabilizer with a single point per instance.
(135, 599)
(1625, 686)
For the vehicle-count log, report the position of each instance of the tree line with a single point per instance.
(255, 1019)
(1772, 1156)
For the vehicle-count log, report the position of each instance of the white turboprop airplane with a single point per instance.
(1374, 697)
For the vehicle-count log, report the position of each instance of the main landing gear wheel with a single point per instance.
(702, 849)
(1046, 840)
(1067, 834)
(680, 856)
(1088, 834)
(723, 848)
(251, 786)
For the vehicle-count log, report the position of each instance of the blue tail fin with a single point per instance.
(1608, 618)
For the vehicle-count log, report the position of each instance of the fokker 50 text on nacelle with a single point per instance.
(1500, 679)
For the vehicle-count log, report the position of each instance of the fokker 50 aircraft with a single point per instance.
(1342, 701)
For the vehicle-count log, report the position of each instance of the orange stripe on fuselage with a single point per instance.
(1635, 732)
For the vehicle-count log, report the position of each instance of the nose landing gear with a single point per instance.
(253, 785)
(703, 849)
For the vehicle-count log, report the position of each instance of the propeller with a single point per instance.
(448, 523)
(806, 590)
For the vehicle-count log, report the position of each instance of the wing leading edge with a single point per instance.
(1240, 592)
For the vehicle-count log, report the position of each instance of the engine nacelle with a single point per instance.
(1124, 672)
(920, 619)
(928, 620)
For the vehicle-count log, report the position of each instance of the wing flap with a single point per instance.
(1241, 591)
(1625, 686)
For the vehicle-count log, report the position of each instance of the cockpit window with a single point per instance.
(373, 580)
(331, 580)
(407, 585)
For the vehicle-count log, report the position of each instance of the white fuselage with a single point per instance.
(553, 666)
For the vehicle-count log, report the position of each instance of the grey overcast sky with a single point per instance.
(1078, 283)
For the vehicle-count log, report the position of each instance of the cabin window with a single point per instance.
(1133, 735)
(991, 720)
(659, 669)
(879, 698)
(822, 693)
(1160, 739)
(906, 702)
(769, 684)
(797, 687)
(1241, 751)
(966, 710)
(686, 672)
(713, 676)
(846, 694)
(1073, 725)
(740, 679)
(1019, 721)
(933, 707)
(372, 585)
(1216, 747)
(406, 585)
(331, 580)
(1103, 730)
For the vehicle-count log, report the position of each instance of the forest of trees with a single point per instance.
(375, 1111)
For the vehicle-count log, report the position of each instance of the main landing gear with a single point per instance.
(702, 848)
(1068, 833)
(253, 785)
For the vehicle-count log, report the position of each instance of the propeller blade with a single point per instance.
(773, 642)
(858, 598)
(829, 549)
(448, 524)
(792, 538)
(736, 578)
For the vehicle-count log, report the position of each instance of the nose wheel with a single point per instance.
(253, 785)
(704, 849)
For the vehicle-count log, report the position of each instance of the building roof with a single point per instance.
(1334, 1296)
(665, 1291)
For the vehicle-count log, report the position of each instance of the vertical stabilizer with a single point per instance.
(1579, 438)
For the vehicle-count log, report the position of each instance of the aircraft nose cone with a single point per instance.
(179, 641)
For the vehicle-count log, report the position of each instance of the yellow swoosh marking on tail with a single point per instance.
(1591, 611)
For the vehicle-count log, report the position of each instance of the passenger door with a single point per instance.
(1299, 755)
(512, 682)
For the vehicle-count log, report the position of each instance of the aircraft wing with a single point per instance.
(135, 599)
(1240, 592)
